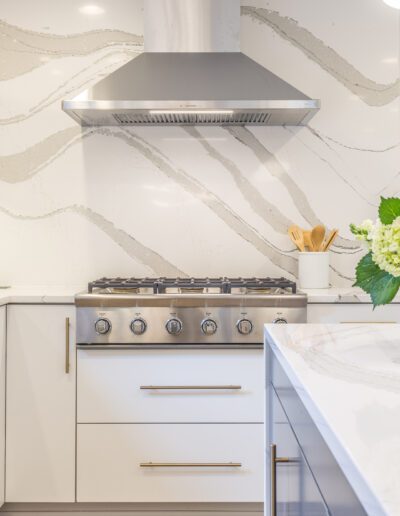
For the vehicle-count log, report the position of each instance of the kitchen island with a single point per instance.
(333, 401)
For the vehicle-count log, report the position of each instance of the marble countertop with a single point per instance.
(339, 295)
(348, 377)
(39, 294)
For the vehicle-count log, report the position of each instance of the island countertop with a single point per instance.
(348, 378)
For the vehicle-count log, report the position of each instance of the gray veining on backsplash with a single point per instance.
(136, 250)
(371, 92)
(22, 50)
(86, 202)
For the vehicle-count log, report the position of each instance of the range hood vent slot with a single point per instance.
(192, 118)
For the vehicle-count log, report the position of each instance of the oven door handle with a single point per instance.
(190, 387)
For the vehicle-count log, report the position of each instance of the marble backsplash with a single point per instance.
(76, 204)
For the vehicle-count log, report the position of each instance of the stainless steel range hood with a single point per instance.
(192, 72)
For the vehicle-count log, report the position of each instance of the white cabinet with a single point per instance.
(160, 386)
(2, 398)
(40, 418)
(114, 463)
(197, 408)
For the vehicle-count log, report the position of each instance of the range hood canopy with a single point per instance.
(191, 72)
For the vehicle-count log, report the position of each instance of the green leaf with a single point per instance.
(385, 289)
(367, 273)
(381, 285)
(389, 209)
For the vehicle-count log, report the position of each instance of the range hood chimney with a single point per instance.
(191, 72)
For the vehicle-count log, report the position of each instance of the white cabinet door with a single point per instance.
(170, 463)
(40, 418)
(2, 398)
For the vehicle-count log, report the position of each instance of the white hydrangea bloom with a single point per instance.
(364, 231)
(385, 246)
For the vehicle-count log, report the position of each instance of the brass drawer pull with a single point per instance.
(67, 345)
(190, 464)
(274, 460)
(190, 387)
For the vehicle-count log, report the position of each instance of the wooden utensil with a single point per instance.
(329, 240)
(296, 236)
(317, 237)
(307, 239)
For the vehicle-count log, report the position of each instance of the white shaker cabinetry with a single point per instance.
(40, 428)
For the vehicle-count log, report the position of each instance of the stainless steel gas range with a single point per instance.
(184, 313)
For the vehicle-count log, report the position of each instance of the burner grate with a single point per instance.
(262, 284)
(123, 284)
(193, 285)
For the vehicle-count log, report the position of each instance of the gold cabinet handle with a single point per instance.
(190, 464)
(67, 345)
(274, 460)
(190, 387)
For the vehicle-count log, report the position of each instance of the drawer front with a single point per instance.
(109, 459)
(297, 493)
(131, 386)
(334, 486)
(352, 313)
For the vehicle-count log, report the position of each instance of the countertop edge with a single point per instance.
(361, 487)
(39, 294)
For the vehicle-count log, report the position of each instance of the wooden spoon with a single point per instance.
(329, 240)
(296, 236)
(307, 239)
(317, 237)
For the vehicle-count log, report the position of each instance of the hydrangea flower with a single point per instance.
(385, 247)
(378, 272)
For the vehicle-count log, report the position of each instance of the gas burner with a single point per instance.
(222, 285)
(192, 286)
(124, 286)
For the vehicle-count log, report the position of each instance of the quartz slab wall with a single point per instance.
(77, 203)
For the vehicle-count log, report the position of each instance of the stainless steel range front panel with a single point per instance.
(190, 310)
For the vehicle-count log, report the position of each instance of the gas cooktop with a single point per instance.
(184, 312)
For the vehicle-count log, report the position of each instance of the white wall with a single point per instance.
(77, 204)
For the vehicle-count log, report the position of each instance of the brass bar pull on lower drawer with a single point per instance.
(190, 387)
(190, 464)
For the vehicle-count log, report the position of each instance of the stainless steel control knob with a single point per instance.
(280, 320)
(174, 326)
(244, 326)
(102, 326)
(208, 326)
(138, 326)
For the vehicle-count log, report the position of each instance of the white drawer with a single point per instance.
(109, 459)
(357, 312)
(117, 386)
